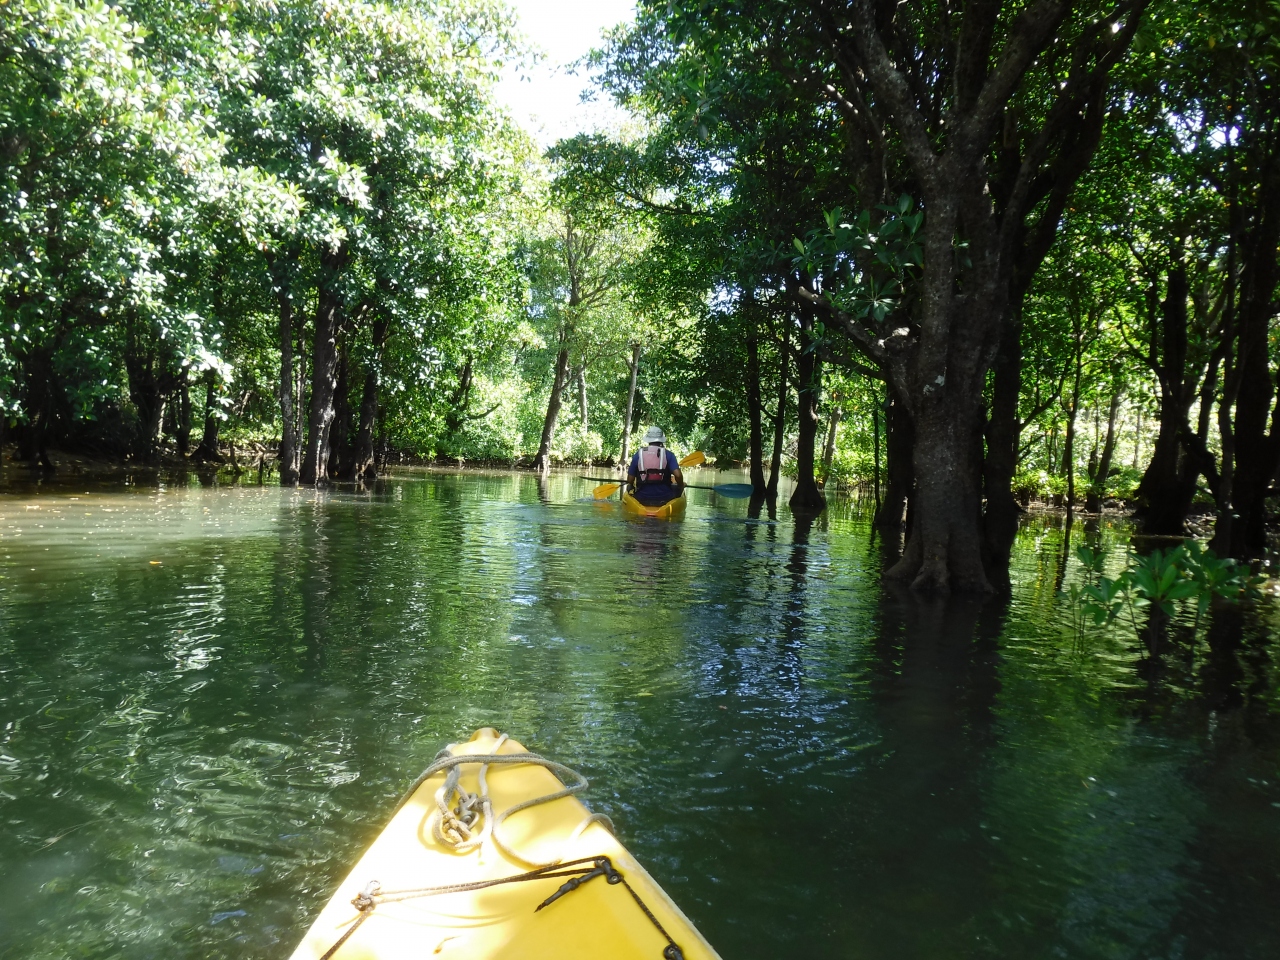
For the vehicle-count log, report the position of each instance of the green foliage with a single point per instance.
(1162, 582)
(865, 265)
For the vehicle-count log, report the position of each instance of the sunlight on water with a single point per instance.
(209, 699)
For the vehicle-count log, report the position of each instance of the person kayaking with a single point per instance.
(654, 476)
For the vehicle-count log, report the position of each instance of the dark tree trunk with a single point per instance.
(1164, 496)
(944, 386)
(1073, 411)
(362, 463)
(807, 498)
(460, 399)
(779, 418)
(944, 545)
(340, 450)
(149, 403)
(1223, 529)
(542, 463)
(631, 406)
(1256, 427)
(1167, 488)
(324, 368)
(299, 392)
(876, 410)
(899, 474)
(755, 415)
(208, 448)
(40, 407)
(182, 428)
(363, 466)
(1098, 482)
(147, 382)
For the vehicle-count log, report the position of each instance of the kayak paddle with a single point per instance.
(734, 491)
(695, 459)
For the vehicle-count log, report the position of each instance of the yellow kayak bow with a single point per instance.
(492, 855)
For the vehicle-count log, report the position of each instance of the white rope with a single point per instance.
(467, 823)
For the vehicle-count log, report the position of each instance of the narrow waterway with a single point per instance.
(210, 697)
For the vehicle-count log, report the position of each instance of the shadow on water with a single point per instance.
(212, 695)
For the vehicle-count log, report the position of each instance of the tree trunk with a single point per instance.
(779, 418)
(1163, 497)
(1073, 410)
(363, 466)
(899, 474)
(755, 416)
(146, 392)
(1165, 493)
(208, 448)
(582, 396)
(631, 406)
(182, 429)
(829, 448)
(340, 450)
(39, 406)
(944, 383)
(542, 463)
(875, 452)
(324, 368)
(1098, 483)
(300, 394)
(944, 545)
(1257, 449)
(460, 399)
(807, 498)
(1224, 533)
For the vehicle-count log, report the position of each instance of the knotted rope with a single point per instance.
(467, 823)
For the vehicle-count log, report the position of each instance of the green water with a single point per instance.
(210, 697)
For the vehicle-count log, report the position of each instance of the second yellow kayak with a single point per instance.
(494, 857)
(671, 510)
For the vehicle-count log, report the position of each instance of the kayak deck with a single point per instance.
(671, 510)
(532, 853)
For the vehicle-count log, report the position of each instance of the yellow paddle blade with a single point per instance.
(697, 458)
(605, 490)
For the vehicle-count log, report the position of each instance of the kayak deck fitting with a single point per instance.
(491, 855)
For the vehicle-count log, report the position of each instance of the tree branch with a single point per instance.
(889, 82)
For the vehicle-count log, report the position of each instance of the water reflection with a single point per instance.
(210, 697)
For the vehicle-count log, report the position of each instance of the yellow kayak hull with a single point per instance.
(671, 510)
(597, 919)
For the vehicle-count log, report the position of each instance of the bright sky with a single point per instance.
(546, 98)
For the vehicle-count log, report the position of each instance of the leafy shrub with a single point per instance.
(1162, 583)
